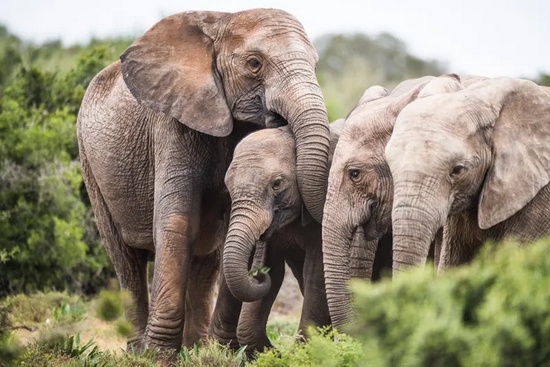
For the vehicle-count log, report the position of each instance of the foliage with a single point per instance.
(325, 347)
(48, 237)
(37, 308)
(492, 313)
(349, 64)
(543, 79)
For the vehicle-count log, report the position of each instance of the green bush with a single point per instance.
(48, 238)
(325, 348)
(494, 312)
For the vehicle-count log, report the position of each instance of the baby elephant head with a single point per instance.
(264, 198)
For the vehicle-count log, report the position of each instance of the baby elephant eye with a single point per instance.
(354, 174)
(458, 169)
(254, 64)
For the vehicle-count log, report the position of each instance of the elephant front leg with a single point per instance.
(200, 297)
(251, 330)
(315, 308)
(174, 242)
(225, 319)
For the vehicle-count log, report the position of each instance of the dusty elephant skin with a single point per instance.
(475, 161)
(360, 182)
(269, 221)
(156, 134)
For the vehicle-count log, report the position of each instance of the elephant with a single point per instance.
(360, 183)
(156, 133)
(475, 162)
(270, 225)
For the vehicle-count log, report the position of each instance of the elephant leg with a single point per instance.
(200, 297)
(130, 263)
(225, 318)
(131, 268)
(251, 330)
(315, 308)
(176, 234)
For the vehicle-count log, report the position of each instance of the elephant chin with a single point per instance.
(274, 120)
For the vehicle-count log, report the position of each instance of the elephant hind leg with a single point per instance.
(130, 263)
(200, 296)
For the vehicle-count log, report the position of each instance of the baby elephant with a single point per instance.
(269, 225)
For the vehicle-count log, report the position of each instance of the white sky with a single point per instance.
(488, 37)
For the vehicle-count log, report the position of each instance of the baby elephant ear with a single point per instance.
(170, 69)
(521, 147)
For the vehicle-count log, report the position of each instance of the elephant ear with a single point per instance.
(373, 93)
(521, 148)
(171, 69)
(444, 84)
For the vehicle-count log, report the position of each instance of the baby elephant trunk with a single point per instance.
(247, 223)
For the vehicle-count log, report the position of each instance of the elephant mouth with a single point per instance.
(274, 120)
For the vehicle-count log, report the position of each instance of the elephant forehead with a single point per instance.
(268, 30)
(453, 113)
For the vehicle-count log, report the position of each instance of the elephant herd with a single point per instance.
(207, 147)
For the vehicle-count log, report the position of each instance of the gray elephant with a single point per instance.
(156, 133)
(360, 182)
(268, 220)
(476, 162)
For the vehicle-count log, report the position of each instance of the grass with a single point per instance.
(73, 331)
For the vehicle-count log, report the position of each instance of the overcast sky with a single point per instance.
(489, 37)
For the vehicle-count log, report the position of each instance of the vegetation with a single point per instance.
(493, 312)
(348, 64)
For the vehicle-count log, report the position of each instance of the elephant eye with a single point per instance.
(277, 183)
(458, 169)
(354, 174)
(254, 64)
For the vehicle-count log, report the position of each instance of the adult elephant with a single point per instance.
(476, 161)
(156, 133)
(360, 182)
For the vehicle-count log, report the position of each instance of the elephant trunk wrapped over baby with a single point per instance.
(156, 133)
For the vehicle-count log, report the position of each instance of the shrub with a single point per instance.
(47, 241)
(326, 347)
(493, 312)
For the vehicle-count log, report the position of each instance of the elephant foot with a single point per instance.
(224, 337)
(258, 343)
(135, 345)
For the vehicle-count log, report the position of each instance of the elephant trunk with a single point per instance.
(417, 215)
(247, 223)
(337, 238)
(302, 105)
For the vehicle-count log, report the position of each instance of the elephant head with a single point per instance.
(484, 148)
(211, 69)
(360, 186)
(262, 182)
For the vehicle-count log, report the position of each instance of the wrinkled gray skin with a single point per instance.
(360, 183)
(156, 134)
(269, 221)
(476, 161)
